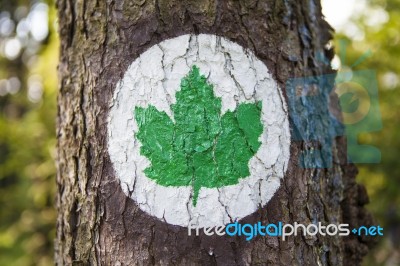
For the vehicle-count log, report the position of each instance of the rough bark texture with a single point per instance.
(99, 225)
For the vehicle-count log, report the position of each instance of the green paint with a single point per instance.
(201, 148)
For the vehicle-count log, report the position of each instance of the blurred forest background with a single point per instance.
(28, 90)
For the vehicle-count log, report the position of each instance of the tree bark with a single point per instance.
(99, 225)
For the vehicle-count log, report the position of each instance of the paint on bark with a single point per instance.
(153, 82)
(201, 148)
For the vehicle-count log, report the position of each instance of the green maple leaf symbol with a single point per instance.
(201, 148)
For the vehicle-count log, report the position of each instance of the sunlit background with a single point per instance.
(28, 89)
(373, 27)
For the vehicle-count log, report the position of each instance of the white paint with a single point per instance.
(238, 76)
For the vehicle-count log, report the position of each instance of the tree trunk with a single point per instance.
(99, 224)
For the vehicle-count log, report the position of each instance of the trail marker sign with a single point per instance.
(198, 131)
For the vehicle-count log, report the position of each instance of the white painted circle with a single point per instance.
(237, 76)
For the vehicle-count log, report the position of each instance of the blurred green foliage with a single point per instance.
(377, 28)
(28, 87)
